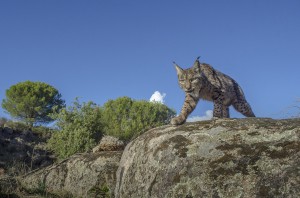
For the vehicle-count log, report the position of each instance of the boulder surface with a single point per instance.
(81, 175)
(251, 157)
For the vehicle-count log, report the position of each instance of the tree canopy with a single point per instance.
(126, 118)
(32, 102)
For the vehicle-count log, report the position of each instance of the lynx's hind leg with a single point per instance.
(218, 109)
(221, 111)
(244, 108)
(225, 112)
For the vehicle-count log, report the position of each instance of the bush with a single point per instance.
(80, 129)
(81, 126)
(126, 118)
(43, 132)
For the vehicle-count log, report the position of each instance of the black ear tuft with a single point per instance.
(196, 65)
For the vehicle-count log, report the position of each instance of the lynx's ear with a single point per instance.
(196, 65)
(178, 69)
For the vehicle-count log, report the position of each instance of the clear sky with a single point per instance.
(99, 50)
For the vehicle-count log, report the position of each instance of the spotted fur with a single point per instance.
(202, 81)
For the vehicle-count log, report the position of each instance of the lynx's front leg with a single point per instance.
(189, 105)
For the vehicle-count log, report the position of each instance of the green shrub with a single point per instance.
(43, 132)
(126, 118)
(80, 128)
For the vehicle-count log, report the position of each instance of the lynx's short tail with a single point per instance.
(244, 108)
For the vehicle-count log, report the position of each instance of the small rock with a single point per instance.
(109, 143)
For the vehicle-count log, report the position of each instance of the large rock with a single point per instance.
(218, 158)
(81, 175)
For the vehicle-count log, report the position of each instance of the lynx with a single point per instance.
(202, 81)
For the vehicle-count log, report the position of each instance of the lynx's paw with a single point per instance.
(178, 120)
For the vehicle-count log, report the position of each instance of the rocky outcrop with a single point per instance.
(250, 157)
(218, 158)
(82, 175)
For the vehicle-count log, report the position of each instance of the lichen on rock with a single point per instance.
(220, 158)
(81, 175)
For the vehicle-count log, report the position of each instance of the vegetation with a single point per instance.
(32, 102)
(80, 129)
(80, 126)
(103, 192)
(126, 118)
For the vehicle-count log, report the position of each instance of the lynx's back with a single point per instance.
(216, 81)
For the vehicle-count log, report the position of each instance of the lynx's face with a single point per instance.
(189, 79)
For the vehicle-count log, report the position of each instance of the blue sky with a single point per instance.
(99, 50)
